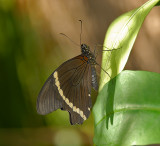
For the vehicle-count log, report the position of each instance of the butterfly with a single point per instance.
(69, 87)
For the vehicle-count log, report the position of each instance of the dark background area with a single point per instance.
(31, 49)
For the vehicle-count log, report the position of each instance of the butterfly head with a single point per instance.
(86, 52)
(85, 49)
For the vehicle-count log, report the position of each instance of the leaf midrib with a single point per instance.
(128, 109)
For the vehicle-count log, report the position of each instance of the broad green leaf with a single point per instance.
(127, 111)
(121, 35)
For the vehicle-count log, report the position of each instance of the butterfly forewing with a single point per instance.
(68, 88)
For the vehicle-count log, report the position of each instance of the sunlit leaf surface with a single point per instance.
(128, 110)
(121, 35)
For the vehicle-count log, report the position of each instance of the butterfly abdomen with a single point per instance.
(94, 78)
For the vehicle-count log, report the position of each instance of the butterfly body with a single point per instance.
(69, 87)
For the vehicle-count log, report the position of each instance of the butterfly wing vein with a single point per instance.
(68, 88)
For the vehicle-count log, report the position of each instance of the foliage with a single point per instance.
(124, 100)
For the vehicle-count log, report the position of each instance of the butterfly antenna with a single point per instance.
(69, 39)
(80, 32)
(103, 70)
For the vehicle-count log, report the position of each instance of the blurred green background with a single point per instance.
(31, 49)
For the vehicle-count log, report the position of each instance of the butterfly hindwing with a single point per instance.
(68, 88)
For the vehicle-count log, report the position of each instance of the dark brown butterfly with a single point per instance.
(69, 87)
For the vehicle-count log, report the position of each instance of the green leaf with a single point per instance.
(127, 111)
(121, 35)
(127, 108)
(158, 4)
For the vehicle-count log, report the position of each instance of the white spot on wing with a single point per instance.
(74, 108)
(67, 101)
(78, 110)
(61, 92)
(55, 75)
